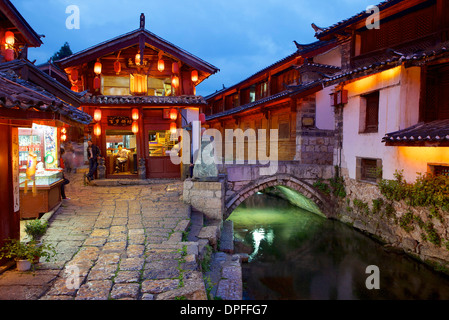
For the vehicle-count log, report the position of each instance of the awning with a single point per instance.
(435, 133)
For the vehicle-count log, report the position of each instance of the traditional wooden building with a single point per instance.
(285, 96)
(397, 80)
(34, 112)
(139, 88)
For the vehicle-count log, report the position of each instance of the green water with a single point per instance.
(295, 254)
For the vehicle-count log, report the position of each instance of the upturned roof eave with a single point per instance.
(130, 39)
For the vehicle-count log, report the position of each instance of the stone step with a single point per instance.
(227, 237)
(196, 223)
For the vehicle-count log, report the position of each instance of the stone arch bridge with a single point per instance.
(242, 181)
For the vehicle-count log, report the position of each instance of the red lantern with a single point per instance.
(135, 114)
(173, 114)
(135, 127)
(175, 68)
(63, 130)
(117, 67)
(74, 88)
(175, 82)
(74, 75)
(202, 118)
(9, 38)
(161, 65)
(173, 127)
(194, 76)
(97, 83)
(63, 137)
(97, 130)
(97, 68)
(9, 54)
(137, 59)
(97, 115)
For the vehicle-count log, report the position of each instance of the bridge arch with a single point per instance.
(287, 180)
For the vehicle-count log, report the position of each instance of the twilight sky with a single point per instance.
(240, 37)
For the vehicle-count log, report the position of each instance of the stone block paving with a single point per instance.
(120, 242)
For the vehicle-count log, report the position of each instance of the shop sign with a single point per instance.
(119, 121)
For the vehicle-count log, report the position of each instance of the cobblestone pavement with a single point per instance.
(114, 243)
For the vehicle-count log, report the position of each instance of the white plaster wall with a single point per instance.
(331, 57)
(324, 111)
(398, 109)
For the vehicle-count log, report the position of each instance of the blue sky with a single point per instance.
(240, 37)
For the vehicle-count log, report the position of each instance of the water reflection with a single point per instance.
(295, 254)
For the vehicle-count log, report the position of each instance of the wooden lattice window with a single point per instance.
(439, 170)
(368, 169)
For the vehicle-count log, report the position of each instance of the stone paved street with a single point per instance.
(116, 242)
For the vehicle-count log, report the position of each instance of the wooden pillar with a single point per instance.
(9, 218)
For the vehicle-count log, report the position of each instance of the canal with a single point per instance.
(295, 254)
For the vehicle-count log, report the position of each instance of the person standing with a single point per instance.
(93, 154)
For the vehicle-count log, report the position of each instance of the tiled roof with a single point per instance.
(13, 15)
(390, 60)
(321, 32)
(144, 100)
(302, 50)
(321, 69)
(132, 38)
(16, 93)
(435, 131)
(286, 93)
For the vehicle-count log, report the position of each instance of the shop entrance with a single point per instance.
(121, 153)
(160, 143)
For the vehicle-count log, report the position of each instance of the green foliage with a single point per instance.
(65, 51)
(15, 249)
(377, 205)
(36, 228)
(361, 206)
(389, 210)
(206, 261)
(406, 221)
(432, 235)
(322, 186)
(333, 185)
(428, 190)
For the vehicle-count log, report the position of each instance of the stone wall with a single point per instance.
(313, 145)
(384, 221)
(206, 197)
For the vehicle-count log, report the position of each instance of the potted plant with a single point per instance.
(25, 253)
(36, 229)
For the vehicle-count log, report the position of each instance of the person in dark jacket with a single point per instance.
(93, 154)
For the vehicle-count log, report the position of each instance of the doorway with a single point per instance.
(121, 153)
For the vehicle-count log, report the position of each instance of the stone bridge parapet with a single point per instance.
(246, 179)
